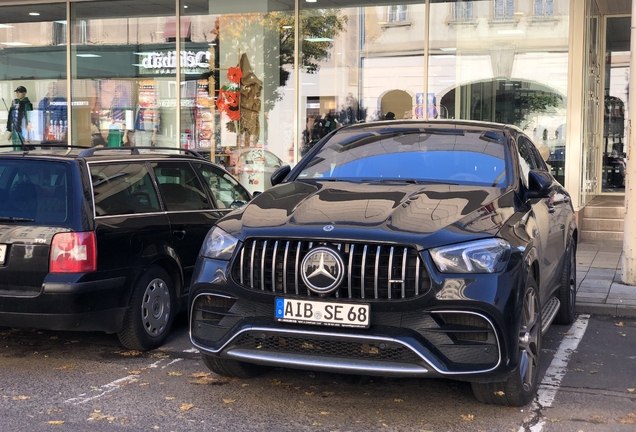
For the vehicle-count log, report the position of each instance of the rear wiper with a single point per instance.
(15, 219)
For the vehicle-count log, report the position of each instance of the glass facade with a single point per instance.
(254, 84)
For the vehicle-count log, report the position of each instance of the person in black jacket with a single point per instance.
(18, 121)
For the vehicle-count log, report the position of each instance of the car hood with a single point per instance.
(384, 212)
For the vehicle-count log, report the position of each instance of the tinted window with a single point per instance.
(180, 187)
(227, 191)
(123, 189)
(454, 156)
(35, 190)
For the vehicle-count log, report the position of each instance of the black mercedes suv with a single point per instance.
(105, 238)
(402, 248)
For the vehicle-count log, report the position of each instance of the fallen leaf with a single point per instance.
(630, 419)
(555, 420)
(468, 417)
(66, 367)
(597, 419)
(200, 375)
(21, 397)
(53, 411)
(274, 382)
(134, 372)
(56, 422)
(631, 390)
(132, 353)
(327, 394)
(169, 397)
(229, 401)
(623, 334)
(186, 407)
(97, 416)
(155, 427)
(159, 355)
(309, 393)
(397, 400)
(316, 424)
(143, 384)
(325, 412)
(245, 385)
(593, 372)
(578, 370)
(175, 373)
(499, 393)
(619, 324)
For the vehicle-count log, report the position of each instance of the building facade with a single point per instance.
(253, 84)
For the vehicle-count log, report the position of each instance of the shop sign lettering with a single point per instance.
(158, 62)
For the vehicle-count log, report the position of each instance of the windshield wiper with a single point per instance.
(15, 219)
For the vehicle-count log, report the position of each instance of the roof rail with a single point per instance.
(43, 146)
(135, 150)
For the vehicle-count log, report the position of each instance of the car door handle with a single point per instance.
(179, 234)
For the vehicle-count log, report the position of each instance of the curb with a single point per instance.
(606, 309)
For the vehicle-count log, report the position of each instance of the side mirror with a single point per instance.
(279, 175)
(540, 184)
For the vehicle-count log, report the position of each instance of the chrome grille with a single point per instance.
(381, 272)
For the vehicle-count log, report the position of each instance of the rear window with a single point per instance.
(456, 156)
(35, 191)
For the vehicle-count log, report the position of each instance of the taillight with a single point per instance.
(73, 252)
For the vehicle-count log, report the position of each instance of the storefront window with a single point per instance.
(124, 66)
(359, 64)
(33, 60)
(508, 64)
(237, 87)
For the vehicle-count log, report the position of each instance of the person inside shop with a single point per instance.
(389, 116)
(54, 110)
(146, 125)
(118, 129)
(18, 121)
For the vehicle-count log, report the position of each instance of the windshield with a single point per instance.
(456, 156)
(34, 191)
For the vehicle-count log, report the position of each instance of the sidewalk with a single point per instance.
(598, 276)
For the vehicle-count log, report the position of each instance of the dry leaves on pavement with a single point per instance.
(186, 407)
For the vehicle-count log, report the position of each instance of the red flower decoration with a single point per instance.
(235, 74)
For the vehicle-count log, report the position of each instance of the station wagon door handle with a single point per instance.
(179, 234)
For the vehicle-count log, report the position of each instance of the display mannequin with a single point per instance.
(53, 108)
(18, 121)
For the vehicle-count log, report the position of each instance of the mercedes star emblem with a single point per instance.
(322, 270)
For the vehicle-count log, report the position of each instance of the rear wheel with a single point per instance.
(520, 387)
(232, 368)
(150, 312)
(567, 291)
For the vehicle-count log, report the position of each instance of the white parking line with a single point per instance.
(112, 386)
(105, 389)
(555, 373)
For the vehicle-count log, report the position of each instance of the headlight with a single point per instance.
(482, 256)
(218, 245)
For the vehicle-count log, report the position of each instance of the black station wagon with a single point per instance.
(403, 248)
(105, 239)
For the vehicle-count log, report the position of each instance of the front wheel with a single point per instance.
(232, 368)
(520, 387)
(567, 290)
(150, 312)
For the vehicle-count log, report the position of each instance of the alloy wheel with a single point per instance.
(529, 339)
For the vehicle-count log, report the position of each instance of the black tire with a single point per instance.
(151, 311)
(232, 368)
(520, 387)
(567, 290)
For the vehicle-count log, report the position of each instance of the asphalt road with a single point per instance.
(57, 381)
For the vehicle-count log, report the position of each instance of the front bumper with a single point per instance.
(460, 333)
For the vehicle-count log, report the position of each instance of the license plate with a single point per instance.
(3, 253)
(323, 313)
